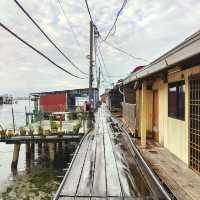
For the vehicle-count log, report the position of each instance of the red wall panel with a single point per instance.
(53, 102)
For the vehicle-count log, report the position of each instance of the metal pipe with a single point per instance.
(149, 170)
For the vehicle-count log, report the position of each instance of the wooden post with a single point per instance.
(28, 155)
(15, 156)
(28, 151)
(143, 118)
(32, 150)
(51, 151)
(13, 119)
(26, 116)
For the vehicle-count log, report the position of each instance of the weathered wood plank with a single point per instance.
(99, 183)
(181, 180)
(113, 184)
(85, 184)
(72, 181)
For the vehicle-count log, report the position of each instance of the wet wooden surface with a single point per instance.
(105, 168)
(182, 181)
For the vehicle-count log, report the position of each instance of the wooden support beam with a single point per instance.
(143, 119)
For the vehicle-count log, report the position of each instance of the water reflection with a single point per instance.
(43, 161)
(39, 166)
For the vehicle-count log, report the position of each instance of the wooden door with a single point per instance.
(155, 122)
(194, 127)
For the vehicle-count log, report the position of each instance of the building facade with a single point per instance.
(167, 101)
(63, 101)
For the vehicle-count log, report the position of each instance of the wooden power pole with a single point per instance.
(91, 61)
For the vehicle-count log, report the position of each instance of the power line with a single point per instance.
(48, 38)
(108, 74)
(36, 50)
(103, 62)
(68, 21)
(116, 76)
(115, 21)
(124, 52)
(100, 65)
(88, 9)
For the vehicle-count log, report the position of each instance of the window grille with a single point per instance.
(194, 89)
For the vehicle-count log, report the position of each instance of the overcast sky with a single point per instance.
(145, 29)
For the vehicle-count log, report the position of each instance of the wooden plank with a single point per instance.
(85, 184)
(127, 181)
(99, 183)
(113, 184)
(74, 198)
(72, 181)
(181, 180)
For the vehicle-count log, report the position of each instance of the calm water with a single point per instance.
(36, 177)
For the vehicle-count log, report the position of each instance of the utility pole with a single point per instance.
(99, 78)
(91, 61)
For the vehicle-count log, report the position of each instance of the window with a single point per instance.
(176, 100)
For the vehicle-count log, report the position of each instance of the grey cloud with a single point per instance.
(145, 28)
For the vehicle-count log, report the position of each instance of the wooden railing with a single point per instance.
(129, 115)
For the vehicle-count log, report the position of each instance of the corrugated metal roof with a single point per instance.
(188, 48)
(59, 91)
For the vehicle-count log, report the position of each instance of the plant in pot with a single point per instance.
(54, 126)
(31, 130)
(22, 131)
(40, 130)
(77, 127)
(3, 133)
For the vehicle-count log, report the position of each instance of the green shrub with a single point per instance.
(54, 125)
(77, 127)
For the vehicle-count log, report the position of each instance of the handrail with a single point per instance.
(149, 170)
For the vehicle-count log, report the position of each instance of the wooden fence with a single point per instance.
(129, 115)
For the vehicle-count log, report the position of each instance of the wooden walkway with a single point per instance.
(37, 138)
(182, 181)
(105, 168)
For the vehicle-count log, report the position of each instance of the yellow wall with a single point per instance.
(163, 109)
(173, 133)
(148, 110)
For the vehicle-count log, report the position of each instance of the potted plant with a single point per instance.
(47, 132)
(40, 130)
(31, 130)
(54, 126)
(3, 133)
(22, 131)
(77, 127)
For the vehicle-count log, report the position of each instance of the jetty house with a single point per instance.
(114, 97)
(162, 102)
(6, 99)
(63, 101)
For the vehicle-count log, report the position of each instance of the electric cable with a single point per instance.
(115, 21)
(68, 21)
(48, 38)
(126, 53)
(39, 52)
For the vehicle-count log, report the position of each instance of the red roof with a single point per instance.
(138, 68)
